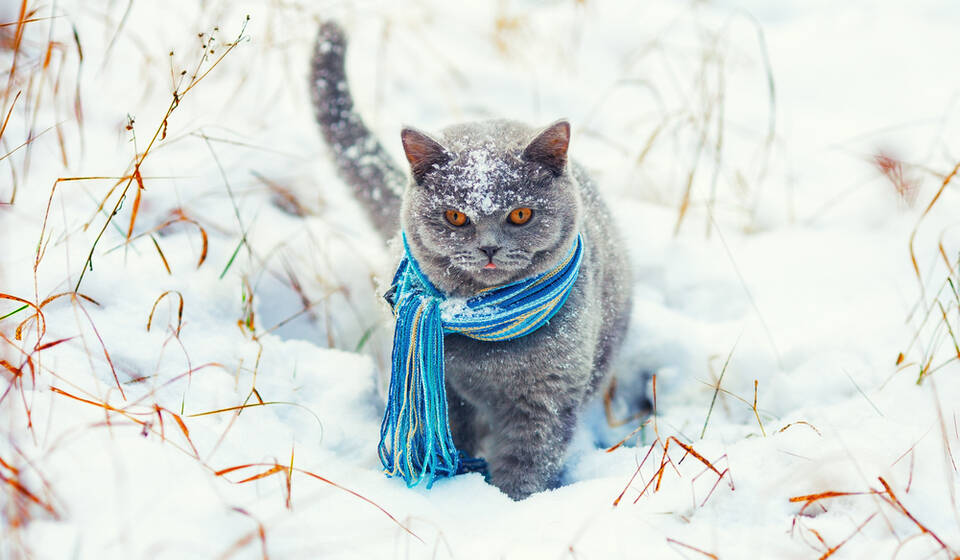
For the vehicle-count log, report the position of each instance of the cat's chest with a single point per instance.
(564, 347)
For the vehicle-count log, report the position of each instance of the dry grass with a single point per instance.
(184, 85)
(934, 328)
(661, 445)
(37, 79)
(886, 495)
(693, 548)
(698, 129)
(933, 346)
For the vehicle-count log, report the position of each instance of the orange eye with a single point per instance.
(455, 218)
(520, 216)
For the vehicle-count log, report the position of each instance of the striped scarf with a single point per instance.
(415, 439)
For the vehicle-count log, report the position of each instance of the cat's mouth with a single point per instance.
(493, 274)
(488, 272)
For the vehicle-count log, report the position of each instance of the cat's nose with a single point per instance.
(490, 250)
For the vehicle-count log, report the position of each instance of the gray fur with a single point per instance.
(515, 402)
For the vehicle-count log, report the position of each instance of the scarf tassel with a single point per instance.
(416, 442)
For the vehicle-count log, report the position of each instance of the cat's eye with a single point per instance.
(456, 218)
(520, 216)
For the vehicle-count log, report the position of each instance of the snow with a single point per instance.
(483, 175)
(791, 265)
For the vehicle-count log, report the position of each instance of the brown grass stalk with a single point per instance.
(756, 413)
(693, 548)
(22, 19)
(28, 20)
(132, 416)
(943, 252)
(178, 216)
(18, 376)
(630, 435)
(23, 491)
(289, 480)
(103, 346)
(898, 505)
(274, 468)
(616, 502)
(888, 496)
(177, 96)
(608, 410)
(689, 449)
(800, 423)
(916, 227)
(186, 374)
(6, 120)
(42, 322)
(21, 497)
(665, 460)
(54, 297)
(104, 406)
(830, 551)
(260, 402)
(260, 533)
(183, 428)
(179, 310)
(726, 472)
(657, 477)
(810, 499)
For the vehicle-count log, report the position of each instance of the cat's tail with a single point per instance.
(360, 158)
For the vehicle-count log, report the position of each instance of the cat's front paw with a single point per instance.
(518, 482)
(516, 491)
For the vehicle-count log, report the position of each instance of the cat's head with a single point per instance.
(489, 203)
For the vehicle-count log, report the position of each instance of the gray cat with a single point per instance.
(488, 203)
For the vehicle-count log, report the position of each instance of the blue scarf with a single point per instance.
(415, 439)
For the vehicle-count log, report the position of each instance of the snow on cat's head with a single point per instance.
(489, 203)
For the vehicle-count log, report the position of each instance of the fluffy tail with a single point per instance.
(360, 158)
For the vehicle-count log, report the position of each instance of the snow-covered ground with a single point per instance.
(742, 145)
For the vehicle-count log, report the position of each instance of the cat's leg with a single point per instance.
(613, 332)
(529, 440)
(465, 425)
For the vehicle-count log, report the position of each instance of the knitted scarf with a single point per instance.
(415, 439)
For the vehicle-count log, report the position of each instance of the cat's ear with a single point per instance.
(550, 147)
(423, 152)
